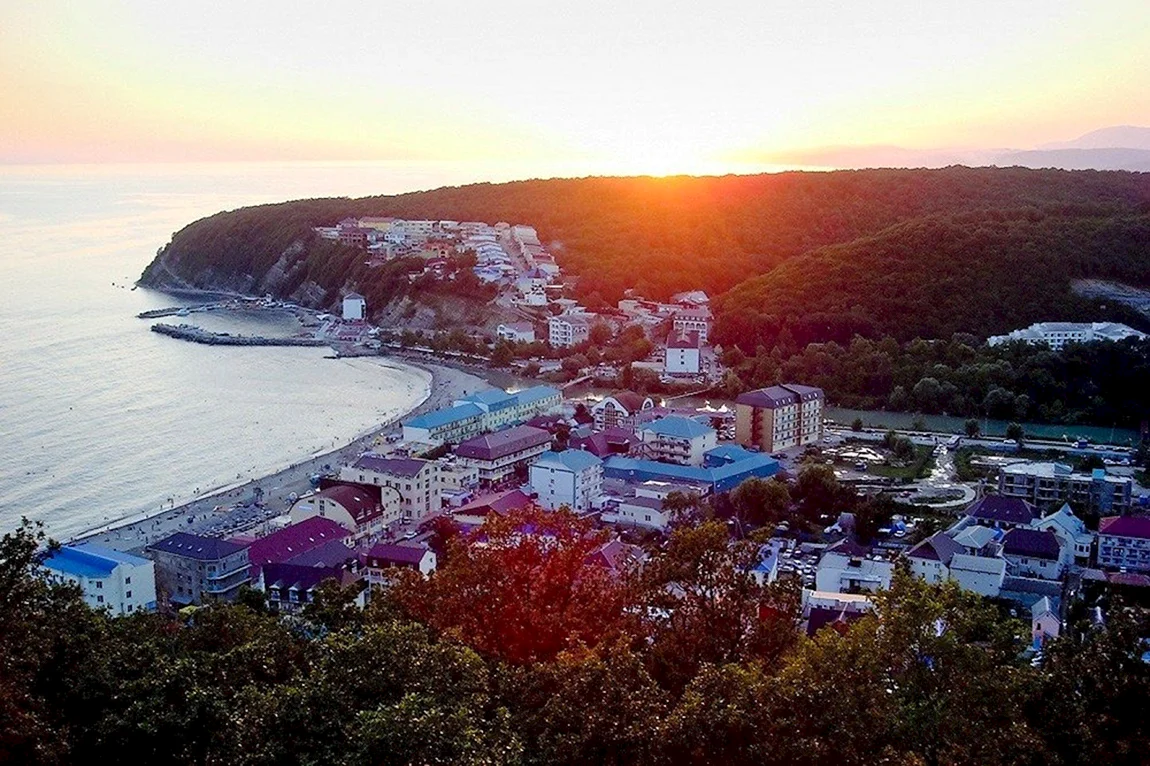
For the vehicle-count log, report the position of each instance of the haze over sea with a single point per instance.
(100, 418)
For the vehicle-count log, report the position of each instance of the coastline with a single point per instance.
(444, 384)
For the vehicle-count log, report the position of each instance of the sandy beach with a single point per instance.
(444, 384)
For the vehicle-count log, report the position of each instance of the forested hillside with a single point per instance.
(859, 246)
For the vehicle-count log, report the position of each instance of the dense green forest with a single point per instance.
(525, 651)
(1090, 383)
(828, 255)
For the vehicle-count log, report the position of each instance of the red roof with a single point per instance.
(511, 500)
(684, 339)
(360, 500)
(1125, 526)
(294, 540)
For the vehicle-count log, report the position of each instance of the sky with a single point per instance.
(621, 86)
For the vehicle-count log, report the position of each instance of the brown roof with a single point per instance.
(360, 500)
(630, 400)
(503, 443)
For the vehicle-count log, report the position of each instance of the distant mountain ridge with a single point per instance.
(1115, 137)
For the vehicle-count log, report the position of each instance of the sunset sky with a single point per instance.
(615, 86)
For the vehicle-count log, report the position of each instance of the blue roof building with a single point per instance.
(722, 477)
(108, 579)
(573, 478)
(675, 439)
(678, 427)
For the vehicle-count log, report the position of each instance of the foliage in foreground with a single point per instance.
(686, 661)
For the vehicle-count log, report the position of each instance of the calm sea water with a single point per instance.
(102, 419)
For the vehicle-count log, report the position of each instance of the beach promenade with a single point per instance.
(230, 511)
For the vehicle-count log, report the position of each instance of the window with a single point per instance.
(99, 584)
(128, 594)
(127, 581)
(99, 599)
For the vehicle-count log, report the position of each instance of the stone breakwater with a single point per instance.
(199, 335)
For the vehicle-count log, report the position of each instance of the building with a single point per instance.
(684, 353)
(516, 332)
(365, 511)
(572, 478)
(617, 558)
(605, 443)
(645, 509)
(697, 320)
(1050, 484)
(1044, 622)
(295, 539)
(119, 583)
(930, 559)
(1034, 553)
(476, 512)
(983, 575)
(478, 413)
(354, 307)
(500, 455)
(676, 439)
(779, 417)
(1124, 543)
(447, 426)
(620, 409)
(568, 330)
(846, 567)
(1071, 530)
(384, 558)
(191, 569)
(291, 587)
(1002, 512)
(1058, 334)
(766, 569)
(723, 469)
(969, 558)
(415, 480)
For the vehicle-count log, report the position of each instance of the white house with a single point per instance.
(642, 512)
(354, 307)
(848, 568)
(385, 558)
(981, 574)
(516, 332)
(619, 409)
(1035, 553)
(573, 478)
(1044, 622)
(684, 353)
(676, 439)
(1071, 530)
(108, 579)
(1058, 334)
(365, 511)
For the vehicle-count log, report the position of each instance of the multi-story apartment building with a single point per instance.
(416, 481)
(684, 353)
(779, 417)
(568, 330)
(500, 454)
(696, 319)
(364, 509)
(192, 569)
(1124, 543)
(108, 579)
(573, 478)
(676, 439)
(619, 409)
(1047, 485)
(479, 413)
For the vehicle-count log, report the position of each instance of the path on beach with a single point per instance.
(445, 384)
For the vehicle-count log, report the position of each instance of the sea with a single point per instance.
(102, 420)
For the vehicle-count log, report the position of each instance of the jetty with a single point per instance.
(199, 335)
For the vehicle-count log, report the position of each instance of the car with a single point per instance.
(409, 534)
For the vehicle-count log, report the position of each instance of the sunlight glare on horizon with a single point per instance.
(636, 87)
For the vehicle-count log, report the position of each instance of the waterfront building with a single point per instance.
(191, 569)
(1049, 484)
(479, 413)
(676, 439)
(416, 481)
(500, 455)
(1124, 543)
(1058, 334)
(365, 511)
(779, 417)
(684, 354)
(117, 582)
(572, 478)
(449, 425)
(620, 409)
(294, 540)
(354, 307)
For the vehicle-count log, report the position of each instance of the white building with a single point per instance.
(684, 353)
(516, 332)
(676, 439)
(848, 568)
(1044, 484)
(568, 330)
(1058, 334)
(1044, 622)
(983, 575)
(619, 409)
(943, 557)
(108, 579)
(416, 481)
(354, 307)
(697, 319)
(1071, 530)
(573, 478)
(1035, 553)
(645, 509)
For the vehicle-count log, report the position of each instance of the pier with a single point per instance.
(199, 335)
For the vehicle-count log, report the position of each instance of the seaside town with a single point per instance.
(1036, 525)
